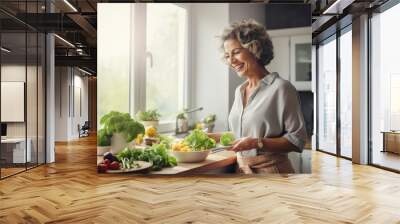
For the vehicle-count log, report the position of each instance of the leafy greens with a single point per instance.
(157, 154)
(198, 141)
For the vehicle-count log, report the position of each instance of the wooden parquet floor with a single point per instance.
(70, 191)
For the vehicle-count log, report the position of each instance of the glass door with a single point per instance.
(22, 76)
(327, 96)
(15, 150)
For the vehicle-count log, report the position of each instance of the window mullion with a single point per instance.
(138, 62)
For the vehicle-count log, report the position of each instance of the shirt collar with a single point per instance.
(267, 80)
(270, 78)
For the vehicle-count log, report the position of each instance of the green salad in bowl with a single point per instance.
(193, 148)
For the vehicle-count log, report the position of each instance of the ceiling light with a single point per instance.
(5, 50)
(70, 5)
(84, 71)
(65, 41)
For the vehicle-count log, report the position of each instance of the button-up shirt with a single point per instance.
(272, 110)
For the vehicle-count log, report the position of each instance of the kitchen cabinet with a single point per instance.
(292, 56)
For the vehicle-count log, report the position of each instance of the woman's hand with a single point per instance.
(243, 144)
(215, 136)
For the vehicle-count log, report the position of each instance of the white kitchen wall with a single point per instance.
(210, 76)
(237, 12)
(281, 62)
(66, 120)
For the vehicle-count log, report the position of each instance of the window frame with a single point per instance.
(335, 36)
(137, 77)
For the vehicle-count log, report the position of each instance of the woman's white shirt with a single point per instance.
(272, 110)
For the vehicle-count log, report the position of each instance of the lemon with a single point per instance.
(151, 131)
(176, 147)
(186, 149)
(139, 139)
(199, 125)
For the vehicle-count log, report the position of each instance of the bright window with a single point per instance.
(385, 84)
(113, 65)
(165, 39)
(346, 94)
(141, 59)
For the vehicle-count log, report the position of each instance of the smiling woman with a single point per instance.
(265, 117)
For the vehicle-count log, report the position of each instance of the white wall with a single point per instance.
(68, 81)
(61, 103)
(281, 61)
(210, 75)
(281, 41)
(12, 73)
(237, 12)
(80, 82)
(33, 126)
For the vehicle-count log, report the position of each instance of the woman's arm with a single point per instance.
(275, 145)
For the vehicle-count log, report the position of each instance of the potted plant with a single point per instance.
(209, 122)
(122, 128)
(148, 118)
(103, 142)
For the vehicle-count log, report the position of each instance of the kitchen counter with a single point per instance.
(214, 161)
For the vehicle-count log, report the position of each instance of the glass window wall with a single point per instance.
(385, 89)
(22, 88)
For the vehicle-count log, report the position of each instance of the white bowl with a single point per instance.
(190, 157)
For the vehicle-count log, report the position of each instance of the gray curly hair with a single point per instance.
(252, 36)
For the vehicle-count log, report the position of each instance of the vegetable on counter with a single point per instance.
(166, 140)
(110, 162)
(210, 119)
(117, 122)
(110, 156)
(199, 141)
(114, 165)
(157, 154)
(103, 138)
(129, 163)
(227, 139)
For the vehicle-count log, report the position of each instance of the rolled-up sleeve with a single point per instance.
(294, 125)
